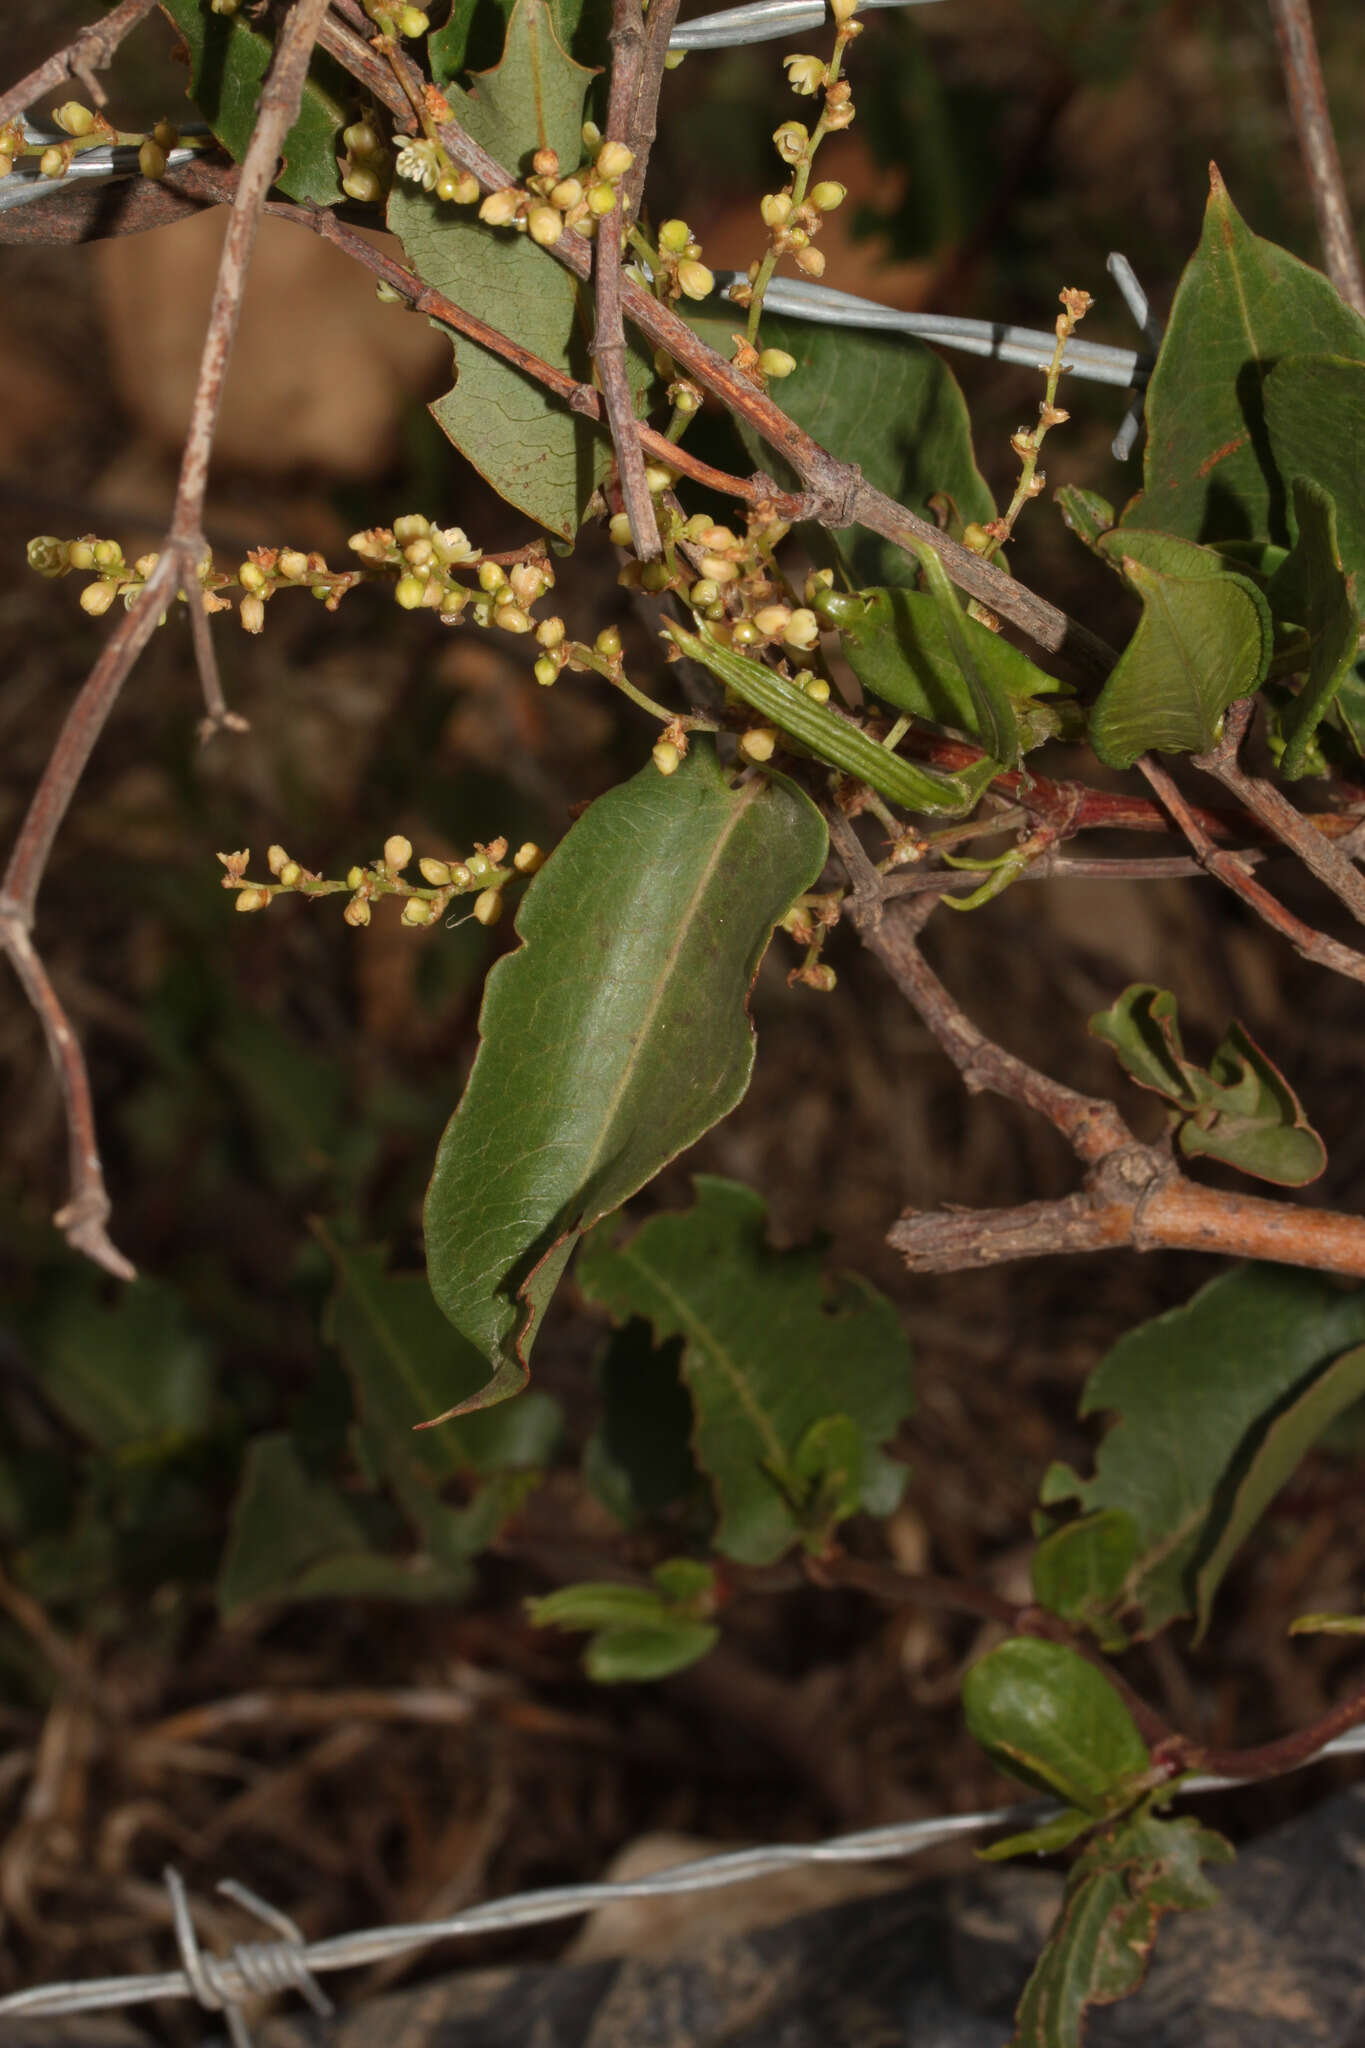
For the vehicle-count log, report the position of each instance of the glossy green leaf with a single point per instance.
(536, 453)
(228, 61)
(622, 1656)
(1202, 642)
(1080, 1570)
(1313, 590)
(1194, 1390)
(896, 645)
(293, 1537)
(127, 1372)
(612, 1038)
(1315, 417)
(1118, 1890)
(770, 1353)
(833, 739)
(1047, 1839)
(1241, 305)
(1240, 1110)
(1047, 1716)
(1084, 513)
(1265, 1466)
(883, 401)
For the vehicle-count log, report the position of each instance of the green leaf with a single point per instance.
(473, 34)
(1241, 1110)
(1327, 1625)
(612, 1038)
(769, 1353)
(1055, 1834)
(1202, 642)
(594, 1603)
(1276, 1454)
(294, 1538)
(1195, 1388)
(639, 1460)
(1241, 305)
(1047, 1716)
(537, 454)
(1117, 1892)
(130, 1373)
(883, 401)
(1313, 589)
(228, 62)
(619, 1656)
(835, 740)
(896, 644)
(1315, 417)
(1084, 513)
(1080, 1570)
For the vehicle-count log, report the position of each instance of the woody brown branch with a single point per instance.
(609, 337)
(1302, 67)
(86, 53)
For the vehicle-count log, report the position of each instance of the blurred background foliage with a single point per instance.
(271, 1086)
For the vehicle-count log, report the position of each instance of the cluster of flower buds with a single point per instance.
(809, 922)
(484, 874)
(397, 21)
(1027, 442)
(551, 202)
(681, 272)
(794, 223)
(366, 163)
(86, 128)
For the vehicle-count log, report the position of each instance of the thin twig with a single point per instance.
(1231, 871)
(1332, 867)
(609, 337)
(644, 117)
(1293, 21)
(86, 53)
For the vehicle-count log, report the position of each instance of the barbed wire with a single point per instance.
(259, 1969)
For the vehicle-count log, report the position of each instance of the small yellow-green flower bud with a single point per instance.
(275, 858)
(253, 899)
(802, 630)
(608, 644)
(81, 555)
(805, 75)
(545, 225)
(459, 874)
(655, 576)
(448, 186)
(410, 592)
(674, 236)
(292, 564)
(397, 852)
(843, 10)
(703, 592)
(73, 118)
(659, 479)
(500, 207)
(528, 858)
(166, 133)
(618, 526)
(791, 141)
(144, 566)
(811, 261)
(437, 872)
(527, 581)
(228, 7)
(252, 576)
(601, 199)
(614, 159)
(816, 688)
(418, 553)
(718, 569)
(776, 208)
(48, 555)
(550, 632)
(488, 906)
(251, 612)
(291, 873)
(975, 537)
(592, 136)
(53, 162)
(567, 194)
(512, 618)
(361, 139)
(666, 757)
(744, 633)
(818, 580)
(411, 21)
(491, 577)
(775, 362)
(759, 743)
(108, 554)
(363, 185)
(151, 159)
(827, 195)
(357, 911)
(772, 620)
(96, 598)
(821, 978)
(354, 877)
(546, 670)
(694, 279)
(416, 911)
(411, 526)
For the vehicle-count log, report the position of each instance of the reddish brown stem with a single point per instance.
(1293, 21)
(86, 53)
(609, 338)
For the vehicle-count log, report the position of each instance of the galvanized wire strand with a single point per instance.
(222, 1982)
(764, 21)
(1095, 361)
